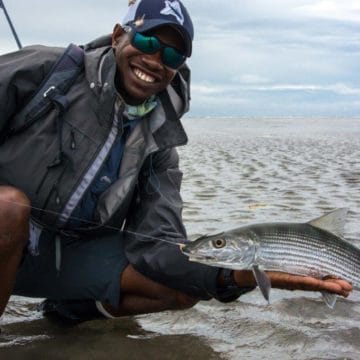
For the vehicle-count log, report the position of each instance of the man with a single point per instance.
(90, 208)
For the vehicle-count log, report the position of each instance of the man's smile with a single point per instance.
(143, 76)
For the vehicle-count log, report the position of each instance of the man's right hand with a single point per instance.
(281, 280)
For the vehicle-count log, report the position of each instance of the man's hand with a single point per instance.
(280, 280)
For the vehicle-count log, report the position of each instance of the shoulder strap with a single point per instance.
(58, 81)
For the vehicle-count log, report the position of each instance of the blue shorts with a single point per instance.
(71, 268)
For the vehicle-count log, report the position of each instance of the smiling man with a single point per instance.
(99, 171)
(139, 77)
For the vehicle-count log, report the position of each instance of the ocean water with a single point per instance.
(236, 172)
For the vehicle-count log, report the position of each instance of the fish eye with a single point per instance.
(219, 243)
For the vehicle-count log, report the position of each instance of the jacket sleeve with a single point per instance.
(157, 215)
(21, 73)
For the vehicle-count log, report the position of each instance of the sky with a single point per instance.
(251, 58)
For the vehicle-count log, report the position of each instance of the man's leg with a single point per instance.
(141, 295)
(91, 268)
(14, 233)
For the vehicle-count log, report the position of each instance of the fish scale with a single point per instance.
(288, 247)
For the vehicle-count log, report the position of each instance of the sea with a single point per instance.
(237, 171)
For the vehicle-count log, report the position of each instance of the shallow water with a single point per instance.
(236, 172)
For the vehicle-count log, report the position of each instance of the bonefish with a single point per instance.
(316, 248)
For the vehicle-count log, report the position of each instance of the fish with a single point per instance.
(316, 248)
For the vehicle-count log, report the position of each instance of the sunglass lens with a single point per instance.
(172, 58)
(146, 44)
(151, 44)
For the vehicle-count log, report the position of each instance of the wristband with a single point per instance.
(228, 278)
(230, 291)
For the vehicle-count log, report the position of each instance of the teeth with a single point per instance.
(144, 76)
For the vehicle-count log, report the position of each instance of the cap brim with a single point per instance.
(155, 23)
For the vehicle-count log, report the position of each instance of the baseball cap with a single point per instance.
(145, 15)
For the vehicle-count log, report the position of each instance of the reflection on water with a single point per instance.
(97, 340)
(236, 171)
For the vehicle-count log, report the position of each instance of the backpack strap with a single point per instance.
(52, 89)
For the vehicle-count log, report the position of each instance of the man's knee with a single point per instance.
(14, 215)
(14, 203)
(183, 301)
(157, 297)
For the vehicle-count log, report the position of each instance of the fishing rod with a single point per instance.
(2, 6)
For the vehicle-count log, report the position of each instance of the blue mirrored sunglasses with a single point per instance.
(170, 56)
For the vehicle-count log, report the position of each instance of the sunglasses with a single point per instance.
(170, 56)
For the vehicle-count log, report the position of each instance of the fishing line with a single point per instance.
(110, 227)
(155, 182)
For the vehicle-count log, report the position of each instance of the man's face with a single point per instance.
(142, 75)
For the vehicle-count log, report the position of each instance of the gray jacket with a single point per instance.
(146, 197)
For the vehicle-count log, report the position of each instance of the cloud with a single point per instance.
(343, 89)
(339, 89)
(251, 79)
(275, 99)
(40, 22)
(348, 10)
(219, 90)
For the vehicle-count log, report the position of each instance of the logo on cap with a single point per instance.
(140, 21)
(173, 8)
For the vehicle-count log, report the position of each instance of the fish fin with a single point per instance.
(330, 299)
(263, 281)
(332, 222)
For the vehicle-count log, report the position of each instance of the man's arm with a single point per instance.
(155, 228)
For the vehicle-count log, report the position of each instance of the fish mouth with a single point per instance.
(186, 250)
(196, 258)
(201, 258)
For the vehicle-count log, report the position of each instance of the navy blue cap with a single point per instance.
(145, 15)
